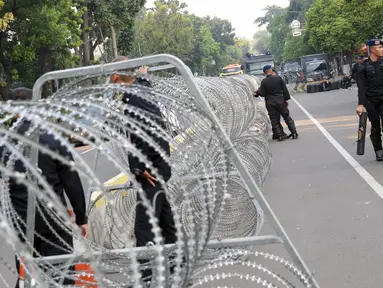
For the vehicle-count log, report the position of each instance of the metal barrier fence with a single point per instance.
(220, 158)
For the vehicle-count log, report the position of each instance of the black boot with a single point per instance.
(379, 155)
(275, 137)
(283, 138)
(294, 135)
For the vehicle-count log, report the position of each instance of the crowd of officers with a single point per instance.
(368, 73)
(64, 180)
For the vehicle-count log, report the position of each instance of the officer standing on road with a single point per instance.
(356, 67)
(275, 134)
(152, 188)
(276, 94)
(61, 178)
(370, 93)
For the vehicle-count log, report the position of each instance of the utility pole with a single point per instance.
(114, 41)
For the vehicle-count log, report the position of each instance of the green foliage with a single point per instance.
(39, 31)
(277, 21)
(119, 14)
(295, 47)
(262, 41)
(204, 44)
(41, 35)
(340, 25)
(168, 29)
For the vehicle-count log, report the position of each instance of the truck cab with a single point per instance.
(253, 64)
(232, 69)
(316, 67)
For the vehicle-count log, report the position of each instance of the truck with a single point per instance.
(232, 69)
(253, 64)
(316, 67)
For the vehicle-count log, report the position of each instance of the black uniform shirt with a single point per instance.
(272, 87)
(370, 81)
(58, 175)
(355, 71)
(136, 166)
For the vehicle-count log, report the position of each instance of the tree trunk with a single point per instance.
(4, 90)
(86, 40)
(114, 41)
(45, 65)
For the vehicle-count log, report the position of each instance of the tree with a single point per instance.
(222, 30)
(277, 26)
(244, 44)
(224, 34)
(6, 18)
(166, 29)
(206, 48)
(278, 21)
(105, 17)
(38, 38)
(340, 25)
(296, 47)
(262, 39)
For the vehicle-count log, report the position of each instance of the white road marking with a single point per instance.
(355, 164)
(86, 151)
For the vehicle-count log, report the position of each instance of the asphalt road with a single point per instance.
(332, 215)
(330, 212)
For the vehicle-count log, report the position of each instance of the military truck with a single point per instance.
(316, 67)
(253, 64)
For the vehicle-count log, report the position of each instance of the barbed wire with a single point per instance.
(207, 196)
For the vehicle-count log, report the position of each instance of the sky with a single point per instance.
(241, 13)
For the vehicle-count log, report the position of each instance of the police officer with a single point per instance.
(276, 94)
(355, 68)
(60, 177)
(275, 132)
(370, 92)
(152, 188)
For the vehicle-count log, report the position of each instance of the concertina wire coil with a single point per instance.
(206, 193)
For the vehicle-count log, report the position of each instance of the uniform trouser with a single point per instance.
(279, 128)
(275, 110)
(142, 227)
(374, 107)
(45, 248)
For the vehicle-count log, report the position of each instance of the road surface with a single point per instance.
(331, 209)
(331, 213)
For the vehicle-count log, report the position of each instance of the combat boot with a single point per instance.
(293, 135)
(283, 138)
(379, 155)
(275, 137)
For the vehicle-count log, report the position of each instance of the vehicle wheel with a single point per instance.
(310, 88)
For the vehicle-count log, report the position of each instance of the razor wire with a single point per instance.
(206, 193)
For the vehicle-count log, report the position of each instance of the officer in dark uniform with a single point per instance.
(370, 92)
(275, 130)
(60, 177)
(356, 67)
(152, 188)
(276, 94)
